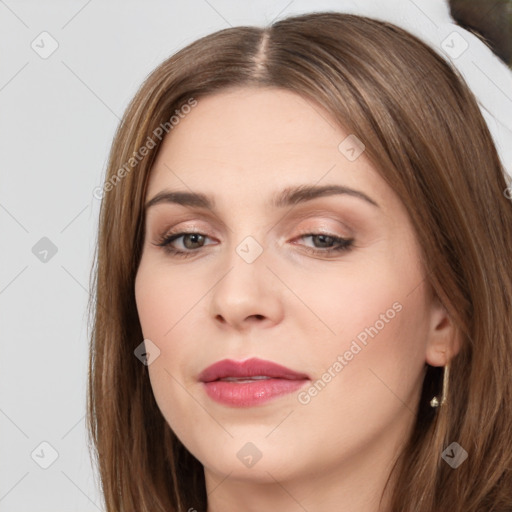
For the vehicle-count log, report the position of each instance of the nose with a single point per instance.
(248, 295)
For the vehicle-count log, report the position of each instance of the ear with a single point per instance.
(443, 341)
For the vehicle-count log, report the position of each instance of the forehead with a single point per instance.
(255, 141)
(249, 120)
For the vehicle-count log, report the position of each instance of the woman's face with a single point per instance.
(354, 320)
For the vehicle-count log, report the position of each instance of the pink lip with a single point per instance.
(281, 381)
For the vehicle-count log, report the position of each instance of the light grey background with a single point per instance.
(58, 114)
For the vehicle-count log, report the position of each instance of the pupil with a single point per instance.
(324, 238)
(193, 238)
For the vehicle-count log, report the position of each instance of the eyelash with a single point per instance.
(344, 244)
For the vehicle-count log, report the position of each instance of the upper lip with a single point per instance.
(249, 368)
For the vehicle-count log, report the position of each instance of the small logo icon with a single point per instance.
(454, 45)
(249, 249)
(249, 454)
(44, 455)
(147, 352)
(44, 249)
(351, 147)
(454, 455)
(44, 45)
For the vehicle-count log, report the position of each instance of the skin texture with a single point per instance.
(290, 306)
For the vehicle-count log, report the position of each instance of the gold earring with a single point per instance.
(446, 375)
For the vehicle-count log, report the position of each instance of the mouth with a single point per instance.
(249, 383)
(250, 369)
(242, 379)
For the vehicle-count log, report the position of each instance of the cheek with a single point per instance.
(371, 298)
(377, 318)
(372, 368)
(166, 306)
(366, 382)
(163, 299)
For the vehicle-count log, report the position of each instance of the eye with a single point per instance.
(328, 243)
(192, 241)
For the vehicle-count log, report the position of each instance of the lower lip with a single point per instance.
(248, 394)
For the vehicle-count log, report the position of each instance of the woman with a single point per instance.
(302, 284)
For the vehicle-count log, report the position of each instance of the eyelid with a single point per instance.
(172, 228)
(190, 218)
(309, 222)
(323, 226)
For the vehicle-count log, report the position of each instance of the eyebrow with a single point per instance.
(288, 197)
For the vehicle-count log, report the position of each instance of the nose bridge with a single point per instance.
(248, 238)
(246, 290)
(246, 274)
(250, 249)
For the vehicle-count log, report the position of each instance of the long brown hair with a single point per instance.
(424, 133)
